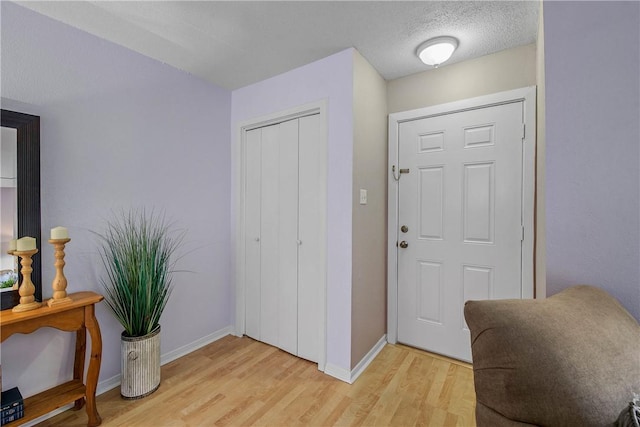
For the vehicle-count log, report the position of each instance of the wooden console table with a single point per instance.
(77, 316)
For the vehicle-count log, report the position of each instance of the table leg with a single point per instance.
(78, 363)
(94, 365)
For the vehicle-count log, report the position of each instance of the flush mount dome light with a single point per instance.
(436, 51)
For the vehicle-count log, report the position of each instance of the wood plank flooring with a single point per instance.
(241, 382)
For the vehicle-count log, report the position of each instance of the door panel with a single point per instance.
(431, 193)
(287, 303)
(429, 291)
(462, 204)
(311, 257)
(252, 232)
(270, 236)
(478, 215)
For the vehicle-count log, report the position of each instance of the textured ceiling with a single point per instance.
(236, 43)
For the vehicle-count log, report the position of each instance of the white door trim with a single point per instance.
(238, 154)
(528, 96)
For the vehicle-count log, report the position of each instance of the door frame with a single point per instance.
(238, 162)
(528, 96)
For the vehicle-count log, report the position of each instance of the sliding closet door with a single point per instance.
(253, 180)
(311, 258)
(288, 234)
(269, 236)
(279, 236)
(285, 262)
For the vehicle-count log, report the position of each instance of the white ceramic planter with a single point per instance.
(140, 363)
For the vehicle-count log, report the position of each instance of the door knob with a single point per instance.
(404, 228)
(403, 244)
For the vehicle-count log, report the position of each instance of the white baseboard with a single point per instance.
(113, 382)
(193, 346)
(338, 372)
(106, 385)
(351, 376)
(368, 358)
(47, 416)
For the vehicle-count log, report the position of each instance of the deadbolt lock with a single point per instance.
(404, 228)
(403, 244)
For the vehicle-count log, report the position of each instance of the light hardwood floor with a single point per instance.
(241, 382)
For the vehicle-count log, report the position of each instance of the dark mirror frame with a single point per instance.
(28, 163)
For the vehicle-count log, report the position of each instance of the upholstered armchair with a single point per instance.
(572, 359)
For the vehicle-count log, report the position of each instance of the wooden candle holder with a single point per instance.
(27, 289)
(59, 283)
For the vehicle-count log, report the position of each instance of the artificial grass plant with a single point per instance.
(137, 250)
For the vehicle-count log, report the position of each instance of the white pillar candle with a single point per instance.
(13, 245)
(59, 233)
(26, 244)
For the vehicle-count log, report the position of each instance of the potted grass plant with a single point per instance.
(138, 253)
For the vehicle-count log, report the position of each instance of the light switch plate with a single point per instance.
(363, 196)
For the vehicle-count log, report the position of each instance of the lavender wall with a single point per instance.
(330, 78)
(118, 129)
(592, 168)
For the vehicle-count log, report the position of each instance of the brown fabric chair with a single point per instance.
(572, 359)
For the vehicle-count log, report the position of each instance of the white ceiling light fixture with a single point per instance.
(436, 51)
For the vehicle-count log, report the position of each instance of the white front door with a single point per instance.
(460, 203)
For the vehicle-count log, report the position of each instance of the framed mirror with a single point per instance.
(27, 190)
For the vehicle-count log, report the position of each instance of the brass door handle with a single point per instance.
(403, 244)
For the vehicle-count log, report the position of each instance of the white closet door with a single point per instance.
(285, 263)
(252, 232)
(288, 234)
(270, 236)
(311, 257)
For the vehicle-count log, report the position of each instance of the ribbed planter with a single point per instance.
(140, 365)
